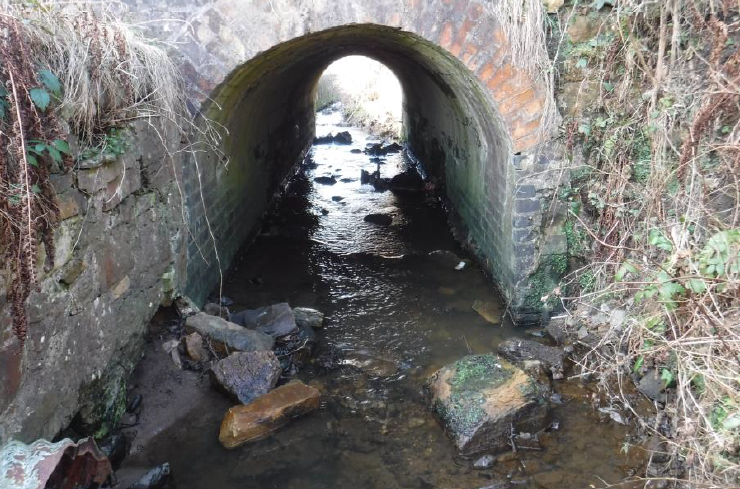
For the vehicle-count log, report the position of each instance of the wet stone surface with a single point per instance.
(395, 313)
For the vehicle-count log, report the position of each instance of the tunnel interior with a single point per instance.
(266, 107)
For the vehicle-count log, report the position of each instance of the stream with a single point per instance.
(406, 312)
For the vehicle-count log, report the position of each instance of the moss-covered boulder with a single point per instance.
(479, 398)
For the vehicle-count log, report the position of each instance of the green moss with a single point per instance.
(472, 375)
(544, 280)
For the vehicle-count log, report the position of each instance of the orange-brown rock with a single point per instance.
(267, 413)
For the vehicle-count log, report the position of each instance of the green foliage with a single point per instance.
(51, 82)
(55, 149)
(111, 144)
(40, 98)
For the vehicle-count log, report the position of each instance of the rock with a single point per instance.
(343, 137)
(552, 479)
(246, 375)
(485, 462)
(379, 219)
(135, 403)
(490, 311)
(226, 337)
(356, 151)
(267, 413)
(276, 320)
(371, 363)
(553, 5)
(45, 464)
(557, 329)
(582, 28)
(115, 447)
(617, 317)
(305, 316)
(194, 347)
(170, 347)
(519, 351)
(337, 198)
(216, 310)
(325, 180)
(652, 386)
(392, 148)
(408, 180)
(480, 398)
(159, 477)
(444, 258)
(295, 350)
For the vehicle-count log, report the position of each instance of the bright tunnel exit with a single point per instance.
(366, 92)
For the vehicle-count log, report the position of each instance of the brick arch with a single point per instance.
(216, 38)
(237, 54)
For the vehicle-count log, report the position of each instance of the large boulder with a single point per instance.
(226, 337)
(480, 398)
(267, 413)
(276, 320)
(520, 351)
(246, 375)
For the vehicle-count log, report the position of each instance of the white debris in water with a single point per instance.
(460, 265)
(613, 414)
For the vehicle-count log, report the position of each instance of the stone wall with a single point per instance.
(119, 250)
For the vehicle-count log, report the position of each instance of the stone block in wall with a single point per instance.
(111, 182)
(578, 97)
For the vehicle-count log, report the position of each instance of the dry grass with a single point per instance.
(658, 198)
(110, 74)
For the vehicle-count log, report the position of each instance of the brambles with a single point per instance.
(661, 199)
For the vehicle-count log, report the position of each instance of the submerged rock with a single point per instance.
(408, 180)
(490, 311)
(267, 413)
(372, 363)
(480, 398)
(159, 477)
(520, 351)
(325, 180)
(379, 219)
(276, 320)
(343, 137)
(305, 316)
(444, 258)
(226, 337)
(246, 375)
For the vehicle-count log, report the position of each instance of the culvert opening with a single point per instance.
(449, 123)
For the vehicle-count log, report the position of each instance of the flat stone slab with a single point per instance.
(227, 337)
(267, 413)
(479, 398)
(276, 320)
(245, 376)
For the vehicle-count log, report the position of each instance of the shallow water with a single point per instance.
(383, 297)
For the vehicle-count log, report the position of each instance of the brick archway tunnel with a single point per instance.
(471, 116)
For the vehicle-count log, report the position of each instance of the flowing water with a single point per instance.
(389, 302)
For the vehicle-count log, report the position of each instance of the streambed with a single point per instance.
(388, 304)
